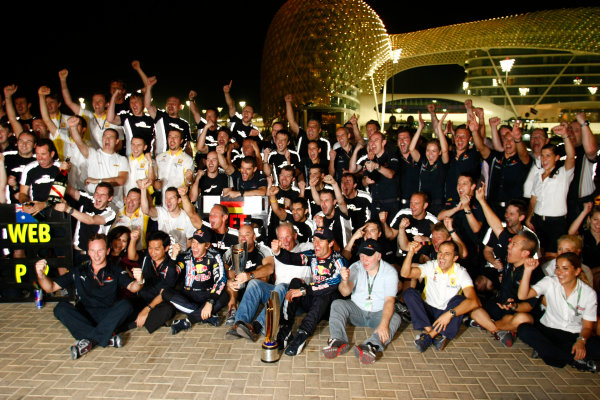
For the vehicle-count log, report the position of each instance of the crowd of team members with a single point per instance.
(362, 230)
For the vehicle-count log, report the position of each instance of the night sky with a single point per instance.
(199, 47)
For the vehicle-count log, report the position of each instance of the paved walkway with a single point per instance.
(201, 364)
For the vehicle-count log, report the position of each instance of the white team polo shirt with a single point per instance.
(180, 227)
(172, 168)
(440, 287)
(137, 220)
(138, 169)
(102, 165)
(551, 193)
(566, 313)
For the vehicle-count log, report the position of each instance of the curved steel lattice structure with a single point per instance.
(317, 48)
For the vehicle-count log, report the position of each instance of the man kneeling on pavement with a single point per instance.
(372, 284)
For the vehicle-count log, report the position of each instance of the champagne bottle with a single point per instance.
(59, 187)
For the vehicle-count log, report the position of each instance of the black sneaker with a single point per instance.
(402, 310)
(180, 325)
(116, 341)
(246, 331)
(80, 348)
(297, 344)
(440, 342)
(585, 365)
(334, 348)
(231, 317)
(423, 342)
(366, 353)
(284, 336)
(214, 320)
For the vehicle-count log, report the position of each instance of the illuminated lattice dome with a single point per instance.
(316, 48)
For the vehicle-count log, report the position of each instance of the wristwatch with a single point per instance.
(252, 276)
(303, 291)
(453, 312)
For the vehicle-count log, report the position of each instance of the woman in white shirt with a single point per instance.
(548, 207)
(564, 333)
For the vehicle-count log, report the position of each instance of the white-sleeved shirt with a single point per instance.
(180, 227)
(172, 168)
(566, 313)
(103, 165)
(440, 287)
(138, 169)
(551, 193)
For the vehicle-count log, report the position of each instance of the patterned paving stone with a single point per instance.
(201, 363)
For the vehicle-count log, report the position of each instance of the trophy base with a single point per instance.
(270, 354)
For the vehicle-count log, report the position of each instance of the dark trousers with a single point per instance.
(157, 317)
(96, 324)
(316, 305)
(555, 345)
(424, 315)
(191, 302)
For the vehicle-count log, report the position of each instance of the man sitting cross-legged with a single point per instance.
(438, 311)
(372, 284)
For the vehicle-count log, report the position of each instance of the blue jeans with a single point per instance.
(424, 315)
(344, 310)
(257, 293)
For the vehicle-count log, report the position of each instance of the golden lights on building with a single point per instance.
(317, 49)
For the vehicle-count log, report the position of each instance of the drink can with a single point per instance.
(39, 298)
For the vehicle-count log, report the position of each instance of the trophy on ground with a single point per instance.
(239, 256)
(270, 351)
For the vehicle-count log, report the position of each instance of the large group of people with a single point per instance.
(372, 230)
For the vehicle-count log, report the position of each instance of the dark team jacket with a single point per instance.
(325, 271)
(95, 291)
(206, 274)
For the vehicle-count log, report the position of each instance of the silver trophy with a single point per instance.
(239, 256)
(270, 352)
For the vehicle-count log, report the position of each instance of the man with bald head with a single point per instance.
(258, 290)
(257, 256)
